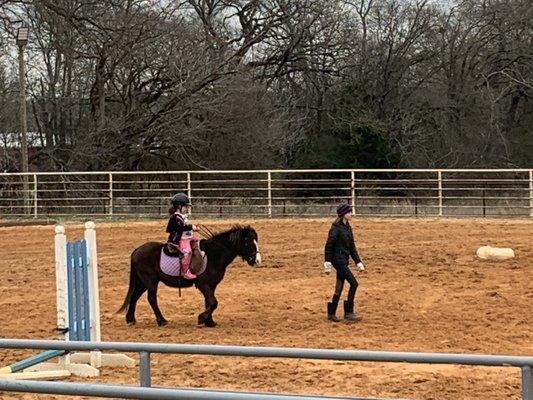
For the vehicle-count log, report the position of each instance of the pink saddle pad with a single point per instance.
(171, 265)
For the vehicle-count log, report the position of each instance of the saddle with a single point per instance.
(196, 263)
(171, 250)
(174, 265)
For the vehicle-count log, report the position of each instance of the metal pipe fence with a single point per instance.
(153, 393)
(145, 349)
(272, 193)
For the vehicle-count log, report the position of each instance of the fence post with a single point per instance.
(35, 212)
(531, 192)
(144, 369)
(352, 194)
(110, 211)
(440, 192)
(189, 190)
(269, 186)
(26, 194)
(527, 383)
(484, 202)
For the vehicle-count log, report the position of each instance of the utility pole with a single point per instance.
(22, 41)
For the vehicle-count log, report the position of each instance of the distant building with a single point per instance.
(10, 153)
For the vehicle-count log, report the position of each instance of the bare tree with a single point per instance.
(142, 84)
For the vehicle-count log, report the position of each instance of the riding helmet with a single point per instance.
(180, 199)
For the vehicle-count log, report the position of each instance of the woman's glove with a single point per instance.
(360, 266)
(327, 267)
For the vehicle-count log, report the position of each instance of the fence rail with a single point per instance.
(272, 193)
(145, 349)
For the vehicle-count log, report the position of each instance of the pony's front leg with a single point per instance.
(211, 303)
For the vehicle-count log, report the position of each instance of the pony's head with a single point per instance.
(246, 243)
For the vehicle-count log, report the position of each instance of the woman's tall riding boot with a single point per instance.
(332, 308)
(349, 313)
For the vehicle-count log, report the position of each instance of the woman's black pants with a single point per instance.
(344, 274)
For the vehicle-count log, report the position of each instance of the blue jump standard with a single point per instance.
(78, 291)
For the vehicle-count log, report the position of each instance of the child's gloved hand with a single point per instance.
(360, 266)
(195, 228)
(327, 267)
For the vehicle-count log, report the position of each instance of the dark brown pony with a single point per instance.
(221, 249)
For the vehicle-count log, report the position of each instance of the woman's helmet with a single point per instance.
(180, 199)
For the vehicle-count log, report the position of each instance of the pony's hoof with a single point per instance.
(131, 322)
(210, 324)
(163, 322)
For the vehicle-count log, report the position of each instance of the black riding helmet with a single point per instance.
(180, 199)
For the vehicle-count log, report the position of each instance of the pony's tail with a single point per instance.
(130, 292)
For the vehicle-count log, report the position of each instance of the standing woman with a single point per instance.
(340, 246)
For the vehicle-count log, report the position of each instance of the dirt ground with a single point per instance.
(423, 290)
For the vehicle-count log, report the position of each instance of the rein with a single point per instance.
(205, 231)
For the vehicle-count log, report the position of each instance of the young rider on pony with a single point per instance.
(181, 231)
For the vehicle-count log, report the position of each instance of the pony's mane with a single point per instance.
(233, 234)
